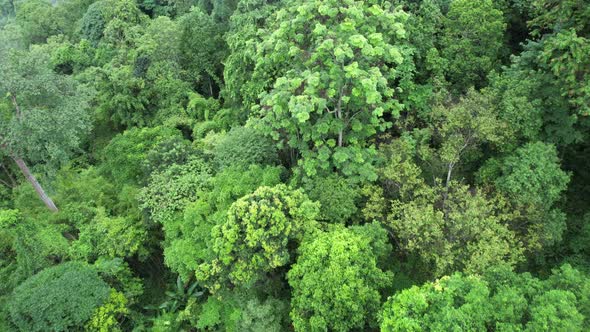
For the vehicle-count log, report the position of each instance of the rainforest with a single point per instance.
(294, 165)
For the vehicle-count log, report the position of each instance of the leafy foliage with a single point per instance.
(336, 282)
(256, 236)
(188, 239)
(105, 318)
(110, 237)
(58, 298)
(337, 197)
(124, 156)
(533, 180)
(49, 114)
(336, 86)
(170, 191)
(500, 300)
(472, 39)
(244, 146)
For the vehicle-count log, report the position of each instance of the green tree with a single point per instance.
(472, 39)
(105, 317)
(564, 29)
(258, 235)
(41, 19)
(123, 158)
(28, 247)
(203, 50)
(143, 83)
(243, 311)
(49, 114)
(59, 298)
(93, 22)
(332, 85)
(244, 146)
(534, 181)
(499, 300)
(162, 8)
(450, 303)
(449, 226)
(460, 128)
(533, 176)
(338, 197)
(175, 150)
(240, 90)
(106, 236)
(515, 100)
(171, 190)
(336, 282)
(467, 233)
(188, 239)
(563, 56)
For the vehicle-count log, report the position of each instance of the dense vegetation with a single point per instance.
(297, 165)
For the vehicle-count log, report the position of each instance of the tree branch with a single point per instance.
(18, 112)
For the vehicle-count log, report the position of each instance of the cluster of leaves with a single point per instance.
(58, 298)
(498, 300)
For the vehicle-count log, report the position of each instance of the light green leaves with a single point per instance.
(257, 235)
(500, 300)
(336, 282)
(333, 84)
(358, 41)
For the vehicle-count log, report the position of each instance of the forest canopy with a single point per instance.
(294, 165)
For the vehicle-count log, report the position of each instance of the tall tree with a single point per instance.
(499, 300)
(258, 236)
(332, 72)
(472, 38)
(47, 117)
(336, 280)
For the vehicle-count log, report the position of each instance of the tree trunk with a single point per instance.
(446, 192)
(339, 116)
(11, 2)
(33, 181)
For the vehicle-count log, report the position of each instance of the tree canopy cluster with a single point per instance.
(295, 165)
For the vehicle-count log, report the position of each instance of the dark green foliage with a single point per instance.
(533, 180)
(337, 197)
(93, 23)
(171, 8)
(532, 175)
(41, 19)
(60, 298)
(240, 89)
(243, 146)
(202, 49)
(243, 311)
(472, 40)
(27, 247)
(48, 114)
(175, 150)
(123, 158)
